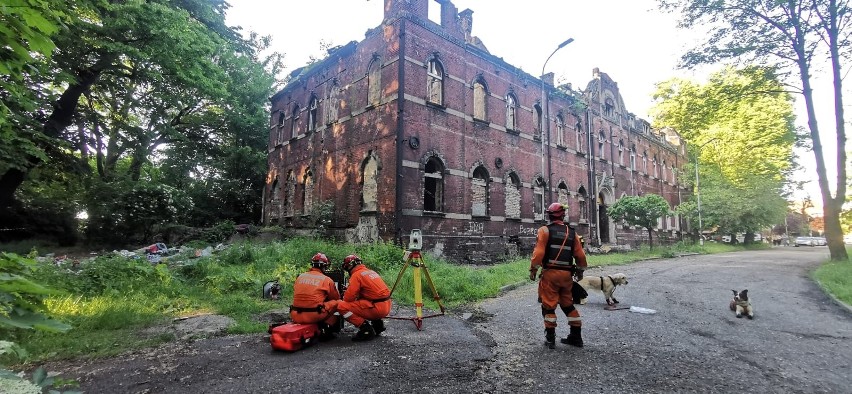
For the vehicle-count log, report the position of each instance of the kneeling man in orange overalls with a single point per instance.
(366, 301)
(315, 298)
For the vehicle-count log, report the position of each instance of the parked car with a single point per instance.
(819, 241)
(847, 239)
(804, 241)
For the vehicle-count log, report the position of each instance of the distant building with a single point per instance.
(419, 126)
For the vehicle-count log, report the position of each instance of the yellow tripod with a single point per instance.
(415, 260)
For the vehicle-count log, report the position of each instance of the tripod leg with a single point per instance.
(418, 291)
(432, 286)
(398, 277)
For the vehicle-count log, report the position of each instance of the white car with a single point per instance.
(804, 241)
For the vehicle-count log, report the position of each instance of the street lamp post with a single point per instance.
(546, 121)
(698, 191)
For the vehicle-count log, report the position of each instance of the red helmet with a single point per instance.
(351, 261)
(320, 261)
(556, 210)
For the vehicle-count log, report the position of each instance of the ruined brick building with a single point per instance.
(419, 126)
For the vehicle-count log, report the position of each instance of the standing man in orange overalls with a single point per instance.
(315, 297)
(559, 251)
(366, 300)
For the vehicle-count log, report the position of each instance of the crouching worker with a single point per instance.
(315, 298)
(366, 301)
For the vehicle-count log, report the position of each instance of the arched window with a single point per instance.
(290, 194)
(374, 81)
(274, 212)
(609, 107)
(308, 193)
(581, 199)
(332, 103)
(539, 123)
(601, 141)
(621, 152)
(562, 194)
(479, 192)
(513, 196)
(435, 82)
(511, 112)
(654, 163)
(480, 93)
(294, 124)
(560, 130)
(369, 184)
(633, 157)
(433, 185)
(579, 128)
(538, 202)
(279, 135)
(645, 162)
(312, 114)
(674, 175)
(664, 171)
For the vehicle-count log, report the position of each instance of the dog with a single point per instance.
(604, 284)
(741, 304)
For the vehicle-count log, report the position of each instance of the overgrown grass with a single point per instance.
(836, 278)
(110, 300)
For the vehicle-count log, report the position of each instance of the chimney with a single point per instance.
(466, 24)
(416, 8)
(548, 78)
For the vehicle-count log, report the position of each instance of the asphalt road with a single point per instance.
(799, 342)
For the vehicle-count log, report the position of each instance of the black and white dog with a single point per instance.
(741, 304)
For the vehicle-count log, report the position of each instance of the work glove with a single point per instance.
(532, 274)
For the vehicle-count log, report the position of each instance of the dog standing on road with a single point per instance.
(604, 284)
(741, 304)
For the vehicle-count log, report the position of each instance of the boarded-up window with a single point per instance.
(308, 193)
(274, 210)
(479, 192)
(560, 130)
(433, 185)
(290, 194)
(312, 114)
(294, 122)
(479, 95)
(332, 103)
(374, 82)
(513, 197)
(562, 194)
(538, 200)
(435, 82)
(370, 185)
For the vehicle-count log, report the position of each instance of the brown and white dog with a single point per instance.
(604, 284)
(741, 304)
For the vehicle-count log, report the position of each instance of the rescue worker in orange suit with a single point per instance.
(366, 301)
(559, 251)
(315, 298)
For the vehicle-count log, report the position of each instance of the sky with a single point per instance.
(631, 40)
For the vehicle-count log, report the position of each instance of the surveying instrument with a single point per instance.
(415, 260)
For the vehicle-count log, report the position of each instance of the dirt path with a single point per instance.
(798, 342)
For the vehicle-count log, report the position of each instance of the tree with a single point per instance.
(643, 211)
(794, 36)
(133, 83)
(739, 126)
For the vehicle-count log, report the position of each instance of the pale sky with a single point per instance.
(633, 42)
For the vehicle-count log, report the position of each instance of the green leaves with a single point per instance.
(643, 211)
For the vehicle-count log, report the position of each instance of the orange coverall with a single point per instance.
(310, 290)
(366, 298)
(554, 288)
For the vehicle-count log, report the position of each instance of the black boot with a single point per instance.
(326, 333)
(550, 337)
(365, 332)
(574, 338)
(378, 326)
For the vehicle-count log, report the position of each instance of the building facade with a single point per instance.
(418, 126)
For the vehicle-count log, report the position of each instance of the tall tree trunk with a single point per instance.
(832, 210)
(61, 117)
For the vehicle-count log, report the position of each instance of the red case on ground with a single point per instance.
(291, 336)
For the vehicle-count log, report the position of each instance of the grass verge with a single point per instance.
(835, 277)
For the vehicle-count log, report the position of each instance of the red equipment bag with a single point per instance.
(291, 337)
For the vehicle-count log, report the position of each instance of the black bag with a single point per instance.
(578, 292)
